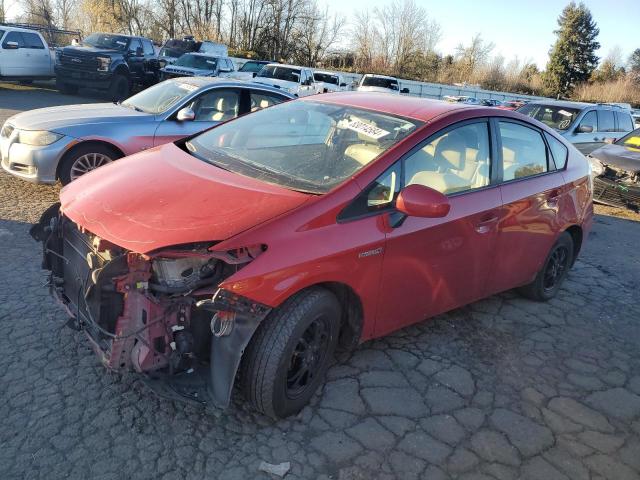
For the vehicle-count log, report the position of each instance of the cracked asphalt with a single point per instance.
(502, 389)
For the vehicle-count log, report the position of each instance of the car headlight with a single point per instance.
(597, 167)
(103, 64)
(38, 138)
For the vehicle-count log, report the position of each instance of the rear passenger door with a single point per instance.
(533, 191)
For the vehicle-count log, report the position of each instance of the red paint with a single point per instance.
(489, 240)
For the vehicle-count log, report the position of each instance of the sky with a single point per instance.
(517, 28)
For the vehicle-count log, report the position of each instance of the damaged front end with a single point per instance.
(161, 314)
(616, 186)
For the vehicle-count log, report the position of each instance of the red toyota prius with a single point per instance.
(246, 254)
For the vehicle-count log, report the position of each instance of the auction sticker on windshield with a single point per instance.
(366, 129)
(188, 87)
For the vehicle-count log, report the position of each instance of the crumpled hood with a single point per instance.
(619, 156)
(274, 82)
(164, 197)
(56, 118)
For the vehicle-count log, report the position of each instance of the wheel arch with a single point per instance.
(84, 143)
(577, 236)
(122, 69)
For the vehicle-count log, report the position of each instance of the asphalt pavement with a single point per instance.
(505, 388)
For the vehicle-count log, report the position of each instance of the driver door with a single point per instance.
(211, 108)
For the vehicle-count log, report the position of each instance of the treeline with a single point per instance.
(399, 38)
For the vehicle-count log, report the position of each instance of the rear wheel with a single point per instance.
(288, 356)
(555, 269)
(84, 159)
(119, 88)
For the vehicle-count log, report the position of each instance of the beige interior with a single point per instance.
(363, 153)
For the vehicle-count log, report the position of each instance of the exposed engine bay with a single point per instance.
(617, 187)
(162, 314)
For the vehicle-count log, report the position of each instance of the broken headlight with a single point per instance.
(597, 168)
(178, 274)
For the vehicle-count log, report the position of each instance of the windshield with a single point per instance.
(305, 146)
(197, 61)
(553, 116)
(105, 40)
(280, 73)
(631, 140)
(251, 67)
(326, 78)
(380, 82)
(160, 97)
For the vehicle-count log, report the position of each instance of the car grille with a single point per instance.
(78, 62)
(179, 73)
(617, 194)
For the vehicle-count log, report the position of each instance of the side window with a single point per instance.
(147, 47)
(455, 161)
(263, 99)
(606, 123)
(523, 151)
(590, 120)
(134, 44)
(625, 123)
(380, 195)
(13, 37)
(32, 40)
(1, 34)
(558, 150)
(217, 105)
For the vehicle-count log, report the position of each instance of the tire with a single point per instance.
(119, 88)
(66, 88)
(84, 155)
(555, 269)
(271, 369)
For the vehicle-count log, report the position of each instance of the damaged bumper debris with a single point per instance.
(160, 315)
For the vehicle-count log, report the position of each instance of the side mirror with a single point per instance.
(186, 115)
(255, 74)
(139, 52)
(404, 90)
(420, 201)
(11, 46)
(584, 129)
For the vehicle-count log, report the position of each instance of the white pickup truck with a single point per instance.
(24, 55)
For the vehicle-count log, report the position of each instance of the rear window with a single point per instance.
(251, 67)
(625, 122)
(281, 73)
(606, 122)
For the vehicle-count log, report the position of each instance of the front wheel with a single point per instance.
(288, 356)
(84, 159)
(119, 88)
(66, 88)
(555, 269)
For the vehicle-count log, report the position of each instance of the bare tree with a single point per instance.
(317, 32)
(471, 56)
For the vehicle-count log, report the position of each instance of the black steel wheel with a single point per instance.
(285, 361)
(554, 270)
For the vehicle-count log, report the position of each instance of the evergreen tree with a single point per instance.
(634, 62)
(572, 59)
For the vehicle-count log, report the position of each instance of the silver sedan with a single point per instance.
(63, 143)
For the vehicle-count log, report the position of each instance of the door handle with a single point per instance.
(486, 224)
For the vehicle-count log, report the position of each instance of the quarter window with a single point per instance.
(625, 123)
(558, 150)
(455, 161)
(523, 151)
(606, 123)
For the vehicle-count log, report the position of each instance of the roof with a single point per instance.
(375, 75)
(423, 109)
(227, 82)
(562, 103)
(286, 65)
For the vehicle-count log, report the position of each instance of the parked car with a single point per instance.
(379, 83)
(264, 242)
(327, 82)
(174, 48)
(511, 105)
(295, 80)
(636, 117)
(107, 61)
(65, 142)
(248, 70)
(616, 171)
(586, 125)
(490, 102)
(25, 55)
(198, 65)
